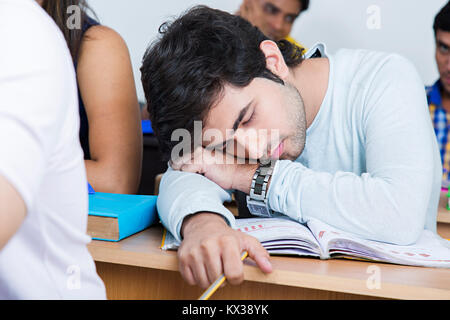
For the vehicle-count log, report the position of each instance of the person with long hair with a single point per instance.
(110, 128)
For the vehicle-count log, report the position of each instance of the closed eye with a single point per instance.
(247, 122)
(444, 48)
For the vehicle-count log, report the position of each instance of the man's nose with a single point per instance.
(250, 143)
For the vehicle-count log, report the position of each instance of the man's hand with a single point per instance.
(221, 168)
(210, 248)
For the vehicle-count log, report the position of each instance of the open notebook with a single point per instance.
(283, 236)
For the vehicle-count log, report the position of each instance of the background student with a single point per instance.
(43, 189)
(439, 93)
(275, 18)
(110, 127)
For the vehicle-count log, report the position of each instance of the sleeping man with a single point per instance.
(343, 138)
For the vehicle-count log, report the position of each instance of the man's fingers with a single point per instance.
(178, 163)
(258, 253)
(190, 158)
(212, 261)
(200, 275)
(192, 267)
(205, 255)
(187, 275)
(232, 263)
(193, 168)
(184, 267)
(231, 257)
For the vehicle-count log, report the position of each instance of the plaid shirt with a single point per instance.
(441, 123)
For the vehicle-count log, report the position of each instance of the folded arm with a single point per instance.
(388, 202)
(183, 193)
(191, 208)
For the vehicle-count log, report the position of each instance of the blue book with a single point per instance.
(113, 217)
(146, 127)
(90, 189)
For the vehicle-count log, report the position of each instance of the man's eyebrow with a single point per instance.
(236, 124)
(272, 7)
(440, 43)
(241, 116)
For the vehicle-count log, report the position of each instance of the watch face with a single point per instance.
(258, 209)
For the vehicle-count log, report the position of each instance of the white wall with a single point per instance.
(402, 26)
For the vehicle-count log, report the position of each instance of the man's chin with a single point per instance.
(291, 156)
(288, 156)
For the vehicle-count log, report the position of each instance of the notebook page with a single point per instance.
(280, 235)
(430, 250)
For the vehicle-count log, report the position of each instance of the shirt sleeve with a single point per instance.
(185, 193)
(389, 202)
(33, 74)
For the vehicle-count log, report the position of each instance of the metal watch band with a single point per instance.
(260, 180)
(256, 201)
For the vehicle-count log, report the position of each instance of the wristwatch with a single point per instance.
(257, 200)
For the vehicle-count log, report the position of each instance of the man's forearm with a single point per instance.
(243, 177)
(200, 218)
(182, 194)
(365, 205)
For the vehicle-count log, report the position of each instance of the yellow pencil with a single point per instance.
(216, 284)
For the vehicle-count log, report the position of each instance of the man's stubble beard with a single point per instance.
(296, 118)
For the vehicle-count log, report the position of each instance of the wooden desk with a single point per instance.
(135, 268)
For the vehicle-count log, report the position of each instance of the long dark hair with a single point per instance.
(57, 10)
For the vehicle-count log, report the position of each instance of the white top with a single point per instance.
(40, 155)
(370, 166)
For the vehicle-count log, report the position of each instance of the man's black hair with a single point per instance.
(186, 69)
(305, 5)
(442, 19)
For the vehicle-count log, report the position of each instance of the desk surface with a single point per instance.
(347, 276)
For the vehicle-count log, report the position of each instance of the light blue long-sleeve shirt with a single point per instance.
(370, 165)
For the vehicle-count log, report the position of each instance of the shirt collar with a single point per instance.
(317, 51)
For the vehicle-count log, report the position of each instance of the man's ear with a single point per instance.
(274, 59)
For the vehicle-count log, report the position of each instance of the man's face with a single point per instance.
(260, 121)
(443, 58)
(274, 18)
